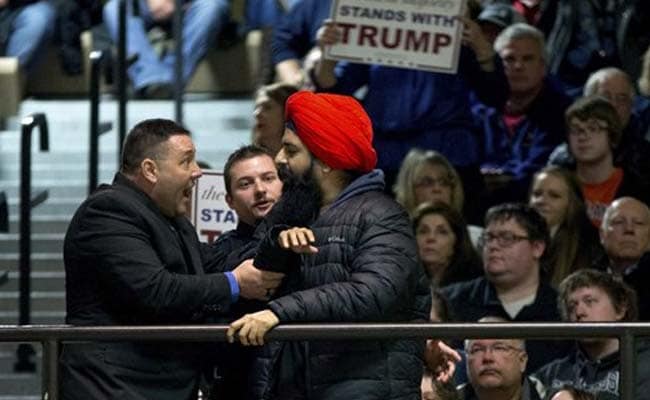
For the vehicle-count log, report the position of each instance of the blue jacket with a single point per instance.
(524, 153)
(296, 33)
(413, 108)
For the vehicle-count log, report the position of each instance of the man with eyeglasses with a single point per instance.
(594, 131)
(625, 236)
(495, 368)
(513, 244)
(632, 150)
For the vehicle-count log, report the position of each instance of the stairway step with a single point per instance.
(42, 223)
(40, 281)
(40, 301)
(40, 261)
(52, 171)
(41, 242)
(51, 206)
(37, 317)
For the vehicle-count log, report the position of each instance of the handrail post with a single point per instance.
(93, 158)
(627, 372)
(51, 369)
(121, 76)
(179, 83)
(26, 204)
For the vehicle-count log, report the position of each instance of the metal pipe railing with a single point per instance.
(28, 124)
(96, 128)
(179, 82)
(53, 335)
(121, 77)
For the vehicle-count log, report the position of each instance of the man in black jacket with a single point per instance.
(359, 265)
(132, 258)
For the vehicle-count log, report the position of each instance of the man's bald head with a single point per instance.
(625, 232)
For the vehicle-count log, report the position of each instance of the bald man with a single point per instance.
(625, 236)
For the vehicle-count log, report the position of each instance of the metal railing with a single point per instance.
(37, 120)
(97, 128)
(52, 336)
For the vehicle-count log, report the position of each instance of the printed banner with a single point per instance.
(211, 215)
(414, 34)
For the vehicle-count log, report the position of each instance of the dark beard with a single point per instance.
(301, 199)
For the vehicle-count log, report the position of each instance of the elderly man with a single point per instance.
(132, 258)
(625, 235)
(518, 138)
(359, 264)
(632, 150)
(514, 243)
(495, 370)
(588, 295)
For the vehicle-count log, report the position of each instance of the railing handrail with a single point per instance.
(52, 335)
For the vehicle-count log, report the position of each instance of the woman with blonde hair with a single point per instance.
(427, 176)
(556, 194)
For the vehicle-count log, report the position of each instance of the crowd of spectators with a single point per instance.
(525, 175)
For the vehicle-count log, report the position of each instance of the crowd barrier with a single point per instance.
(51, 336)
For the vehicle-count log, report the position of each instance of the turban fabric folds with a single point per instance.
(335, 129)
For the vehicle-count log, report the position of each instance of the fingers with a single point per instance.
(233, 328)
(298, 240)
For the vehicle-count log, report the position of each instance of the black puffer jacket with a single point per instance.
(366, 270)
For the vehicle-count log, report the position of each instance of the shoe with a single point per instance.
(156, 91)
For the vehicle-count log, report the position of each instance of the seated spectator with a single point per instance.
(427, 176)
(152, 74)
(295, 37)
(594, 130)
(556, 194)
(495, 17)
(588, 295)
(433, 111)
(444, 245)
(632, 150)
(571, 393)
(625, 235)
(269, 115)
(495, 369)
(26, 27)
(518, 138)
(591, 35)
(514, 244)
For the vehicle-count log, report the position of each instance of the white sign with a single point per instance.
(414, 34)
(211, 215)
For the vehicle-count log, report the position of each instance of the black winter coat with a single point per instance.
(366, 270)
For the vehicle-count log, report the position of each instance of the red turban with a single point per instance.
(334, 128)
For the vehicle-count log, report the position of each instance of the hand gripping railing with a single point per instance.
(96, 128)
(52, 336)
(26, 204)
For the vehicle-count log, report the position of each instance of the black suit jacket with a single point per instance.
(127, 264)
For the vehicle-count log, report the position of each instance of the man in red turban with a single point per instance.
(359, 264)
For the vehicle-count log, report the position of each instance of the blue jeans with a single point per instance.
(202, 20)
(31, 31)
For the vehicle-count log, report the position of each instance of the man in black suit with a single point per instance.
(132, 258)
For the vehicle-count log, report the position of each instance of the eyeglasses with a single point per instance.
(429, 181)
(499, 349)
(590, 128)
(503, 239)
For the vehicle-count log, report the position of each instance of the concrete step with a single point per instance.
(55, 187)
(52, 206)
(40, 300)
(57, 171)
(40, 281)
(41, 242)
(20, 386)
(37, 317)
(42, 223)
(46, 262)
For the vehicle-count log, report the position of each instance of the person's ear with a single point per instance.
(149, 170)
